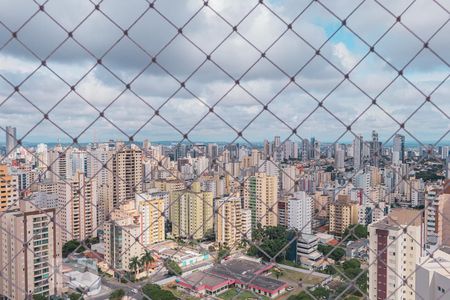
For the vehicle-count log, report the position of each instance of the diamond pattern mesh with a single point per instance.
(173, 50)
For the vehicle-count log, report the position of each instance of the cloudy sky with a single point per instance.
(181, 84)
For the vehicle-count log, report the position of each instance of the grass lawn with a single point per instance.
(179, 294)
(292, 276)
(243, 295)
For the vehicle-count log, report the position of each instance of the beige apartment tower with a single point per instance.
(153, 220)
(229, 222)
(36, 269)
(77, 201)
(123, 237)
(260, 196)
(127, 177)
(342, 213)
(191, 212)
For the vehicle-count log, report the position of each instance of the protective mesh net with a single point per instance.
(136, 214)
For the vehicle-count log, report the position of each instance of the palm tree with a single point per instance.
(134, 265)
(146, 259)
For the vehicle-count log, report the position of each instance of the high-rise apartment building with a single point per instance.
(59, 164)
(9, 189)
(99, 165)
(228, 221)
(191, 212)
(151, 208)
(398, 151)
(169, 185)
(339, 159)
(342, 213)
(358, 158)
(41, 156)
(396, 244)
(127, 174)
(11, 139)
(260, 196)
(283, 211)
(213, 151)
(288, 176)
(33, 268)
(123, 237)
(306, 152)
(316, 149)
(300, 210)
(375, 149)
(77, 201)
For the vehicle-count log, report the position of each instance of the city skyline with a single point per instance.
(408, 142)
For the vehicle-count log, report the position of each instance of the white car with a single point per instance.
(134, 291)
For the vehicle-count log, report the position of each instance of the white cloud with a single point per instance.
(348, 61)
(210, 83)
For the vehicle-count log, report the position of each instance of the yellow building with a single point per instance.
(342, 214)
(228, 222)
(191, 212)
(260, 196)
(151, 209)
(169, 185)
(9, 192)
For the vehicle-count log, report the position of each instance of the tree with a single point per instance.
(329, 169)
(72, 246)
(359, 232)
(147, 259)
(222, 253)
(117, 295)
(351, 264)
(134, 265)
(352, 270)
(173, 268)
(330, 269)
(321, 293)
(277, 272)
(271, 240)
(335, 253)
(154, 291)
(75, 296)
(91, 241)
(39, 297)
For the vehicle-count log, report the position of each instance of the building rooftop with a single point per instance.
(440, 262)
(243, 266)
(400, 216)
(248, 272)
(203, 278)
(237, 270)
(358, 244)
